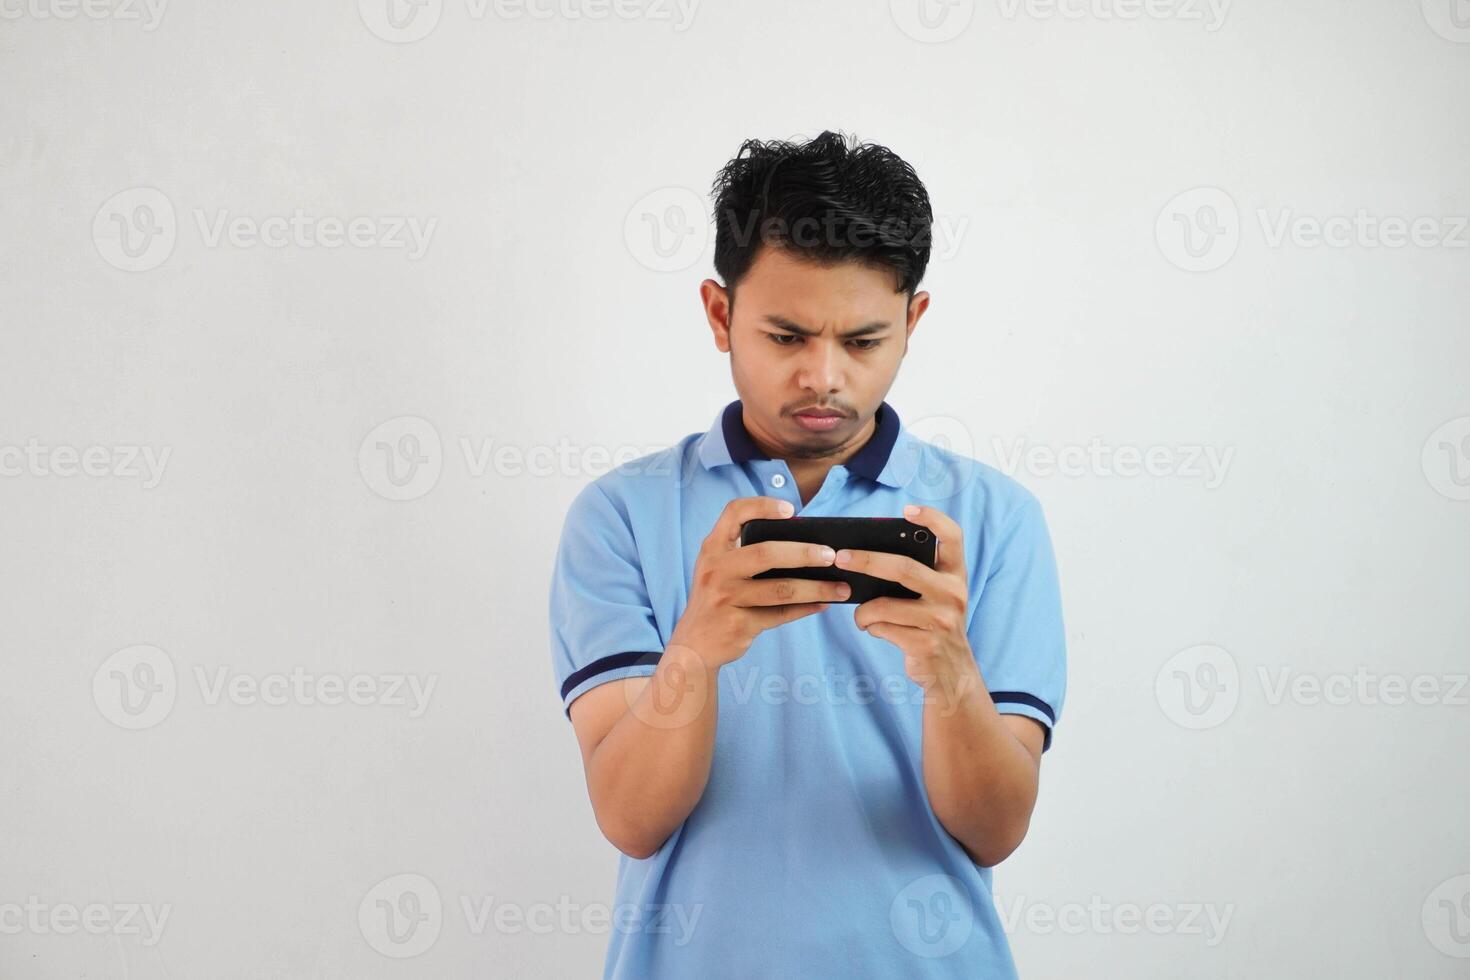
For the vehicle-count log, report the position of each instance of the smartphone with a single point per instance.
(895, 535)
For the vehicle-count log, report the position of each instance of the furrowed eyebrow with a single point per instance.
(796, 328)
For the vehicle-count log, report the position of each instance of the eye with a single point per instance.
(780, 340)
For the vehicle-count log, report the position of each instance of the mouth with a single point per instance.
(819, 419)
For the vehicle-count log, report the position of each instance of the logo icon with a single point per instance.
(1199, 687)
(401, 916)
(1199, 230)
(678, 697)
(400, 21)
(1450, 19)
(402, 458)
(932, 916)
(667, 230)
(1446, 459)
(135, 688)
(1447, 917)
(932, 21)
(135, 230)
(934, 477)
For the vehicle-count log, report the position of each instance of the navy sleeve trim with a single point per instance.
(1031, 701)
(1021, 697)
(602, 665)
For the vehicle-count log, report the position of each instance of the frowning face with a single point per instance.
(807, 340)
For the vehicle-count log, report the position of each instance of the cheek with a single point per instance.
(763, 368)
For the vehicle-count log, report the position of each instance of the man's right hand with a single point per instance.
(727, 608)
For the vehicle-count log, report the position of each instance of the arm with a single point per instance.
(981, 769)
(644, 777)
(981, 766)
(648, 742)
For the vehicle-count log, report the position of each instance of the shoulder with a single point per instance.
(641, 484)
(978, 495)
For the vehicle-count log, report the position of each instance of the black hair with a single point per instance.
(828, 201)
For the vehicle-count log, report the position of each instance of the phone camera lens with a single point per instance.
(921, 536)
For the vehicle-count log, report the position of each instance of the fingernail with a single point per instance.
(827, 554)
(843, 556)
(844, 591)
(909, 510)
(786, 508)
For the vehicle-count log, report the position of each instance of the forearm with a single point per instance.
(981, 779)
(649, 772)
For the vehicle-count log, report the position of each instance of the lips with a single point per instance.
(819, 419)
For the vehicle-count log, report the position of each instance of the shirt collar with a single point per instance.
(728, 441)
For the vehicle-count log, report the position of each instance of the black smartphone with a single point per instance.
(891, 534)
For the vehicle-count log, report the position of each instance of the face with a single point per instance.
(804, 336)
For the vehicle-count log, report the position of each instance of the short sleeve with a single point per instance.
(1016, 632)
(602, 622)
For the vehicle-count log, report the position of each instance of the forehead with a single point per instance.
(809, 292)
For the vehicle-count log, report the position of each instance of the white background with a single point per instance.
(1067, 313)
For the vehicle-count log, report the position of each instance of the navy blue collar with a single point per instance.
(868, 461)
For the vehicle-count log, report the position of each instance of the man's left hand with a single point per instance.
(930, 630)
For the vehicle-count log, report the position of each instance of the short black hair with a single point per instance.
(829, 200)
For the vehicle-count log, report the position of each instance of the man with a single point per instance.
(801, 788)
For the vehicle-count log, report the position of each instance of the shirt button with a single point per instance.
(778, 481)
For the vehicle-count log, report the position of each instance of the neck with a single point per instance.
(810, 472)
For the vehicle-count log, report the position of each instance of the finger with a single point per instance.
(900, 636)
(784, 591)
(726, 532)
(752, 559)
(895, 568)
(950, 546)
(899, 612)
(771, 616)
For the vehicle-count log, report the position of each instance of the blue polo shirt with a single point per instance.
(813, 851)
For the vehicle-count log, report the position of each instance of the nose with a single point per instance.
(821, 367)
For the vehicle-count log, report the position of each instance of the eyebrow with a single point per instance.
(776, 320)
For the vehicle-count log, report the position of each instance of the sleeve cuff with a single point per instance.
(1021, 703)
(614, 666)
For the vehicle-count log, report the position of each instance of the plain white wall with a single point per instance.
(1068, 151)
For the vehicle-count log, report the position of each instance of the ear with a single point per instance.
(917, 306)
(716, 300)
